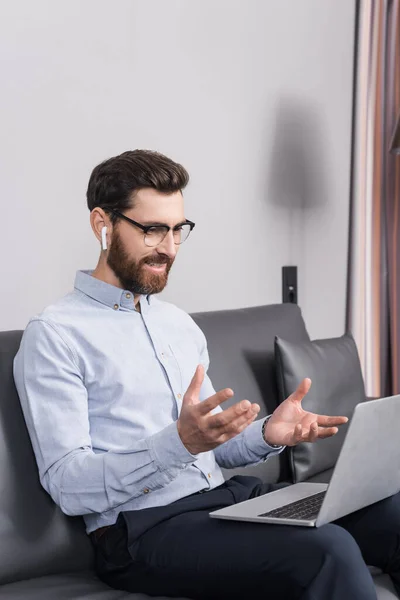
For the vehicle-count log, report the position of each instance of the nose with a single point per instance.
(168, 245)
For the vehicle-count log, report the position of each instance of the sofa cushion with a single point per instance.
(337, 386)
(384, 587)
(36, 538)
(241, 348)
(86, 586)
(68, 586)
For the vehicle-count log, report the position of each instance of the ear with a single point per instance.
(101, 225)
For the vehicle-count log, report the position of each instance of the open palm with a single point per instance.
(290, 424)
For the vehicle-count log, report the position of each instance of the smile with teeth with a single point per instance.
(159, 267)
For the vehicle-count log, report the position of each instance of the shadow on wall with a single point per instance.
(297, 171)
(297, 174)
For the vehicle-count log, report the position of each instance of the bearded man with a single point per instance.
(128, 430)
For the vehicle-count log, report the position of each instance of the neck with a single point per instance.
(104, 273)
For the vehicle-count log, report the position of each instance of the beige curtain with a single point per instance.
(373, 302)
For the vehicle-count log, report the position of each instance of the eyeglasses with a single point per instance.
(155, 234)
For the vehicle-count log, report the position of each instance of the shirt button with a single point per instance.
(146, 491)
(209, 475)
(116, 306)
(128, 296)
(179, 396)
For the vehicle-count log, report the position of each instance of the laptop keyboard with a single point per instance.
(305, 509)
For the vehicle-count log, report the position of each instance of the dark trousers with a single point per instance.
(179, 551)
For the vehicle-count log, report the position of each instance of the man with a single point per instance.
(129, 433)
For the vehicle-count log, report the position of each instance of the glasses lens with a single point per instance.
(155, 236)
(182, 234)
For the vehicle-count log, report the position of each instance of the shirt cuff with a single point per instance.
(168, 451)
(255, 440)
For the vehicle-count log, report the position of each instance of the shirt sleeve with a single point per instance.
(55, 405)
(248, 447)
(245, 449)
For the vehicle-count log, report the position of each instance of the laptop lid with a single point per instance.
(368, 467)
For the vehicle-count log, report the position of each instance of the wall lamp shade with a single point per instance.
(395, 142)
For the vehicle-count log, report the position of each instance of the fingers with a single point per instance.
(326, 421)
(232, 430)
(193, 391)
(325, 432)
(304, 435)
(213, 401)
(241, 413)
(302, 389)
(313, 433)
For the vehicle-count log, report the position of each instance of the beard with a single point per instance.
(132, 274)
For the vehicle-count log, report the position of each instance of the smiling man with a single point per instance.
(129, 433)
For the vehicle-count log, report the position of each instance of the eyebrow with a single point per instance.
(153, 224)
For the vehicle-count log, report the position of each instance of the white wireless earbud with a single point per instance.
(103, 238)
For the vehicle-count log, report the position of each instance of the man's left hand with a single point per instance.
(290, 425)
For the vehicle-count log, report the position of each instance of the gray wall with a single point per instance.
(254, 98)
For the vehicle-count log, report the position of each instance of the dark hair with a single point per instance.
(113, 182)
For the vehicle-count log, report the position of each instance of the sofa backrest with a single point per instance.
(241, 349)
(36, 538)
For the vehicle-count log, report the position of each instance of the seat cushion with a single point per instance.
(337, 386)
(384, 588)
(69, 586)
(86, 586)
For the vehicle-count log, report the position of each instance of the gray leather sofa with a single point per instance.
(46, 555)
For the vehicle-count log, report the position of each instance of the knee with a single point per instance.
(339, 545)
(338, 568)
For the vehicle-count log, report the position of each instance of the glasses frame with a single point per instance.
(146, 228)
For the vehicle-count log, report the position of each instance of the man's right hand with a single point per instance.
(201, 431)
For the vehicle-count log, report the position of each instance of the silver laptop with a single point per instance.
(367, 470)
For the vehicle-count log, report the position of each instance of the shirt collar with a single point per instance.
(103, 292)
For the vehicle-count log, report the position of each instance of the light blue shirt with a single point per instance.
(101, 388)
